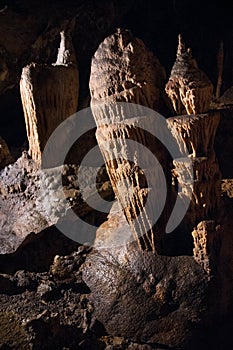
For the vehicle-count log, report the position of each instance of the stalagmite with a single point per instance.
(123, 70)
(197, 134)
(188, 87)
(49, 95)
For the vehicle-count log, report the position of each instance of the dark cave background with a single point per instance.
(203, 24)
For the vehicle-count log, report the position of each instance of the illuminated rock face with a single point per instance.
(49, 96)
(124, 70)
(188, 88)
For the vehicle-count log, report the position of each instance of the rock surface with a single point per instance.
(157, 299)
(207, 243)
(143, 296)
(5, 156)
(33, 199)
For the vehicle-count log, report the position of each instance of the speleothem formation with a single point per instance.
(188, 88)
(124, 70)
(196, 134)
(49, 95)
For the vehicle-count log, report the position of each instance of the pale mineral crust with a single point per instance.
(188, 88)
(49, 96)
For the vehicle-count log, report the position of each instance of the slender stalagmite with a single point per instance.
(188, 87)
(49, 95)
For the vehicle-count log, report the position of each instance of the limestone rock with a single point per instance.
(49, 96)
(123, 69)
(144, 296)
(168, 300)
(206, 245)
(32, 199)
(5, 156)
(188, 87)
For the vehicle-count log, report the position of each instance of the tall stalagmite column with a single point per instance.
(124, 70)
(49, 95)
(190, 92)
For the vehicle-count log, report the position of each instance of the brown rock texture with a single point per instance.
(206, 249)
(162, 300)
(188, 87)
(32, 199)
(197, 134)
(141, 295)
(123, 70)
(5, 156)
(49, 96)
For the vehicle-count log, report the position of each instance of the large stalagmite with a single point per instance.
(188, 87)
(49, 95)
(124, 70)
